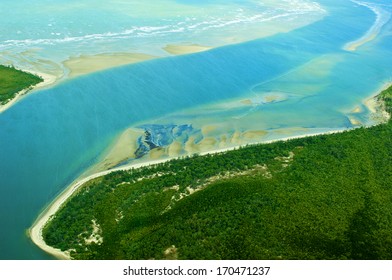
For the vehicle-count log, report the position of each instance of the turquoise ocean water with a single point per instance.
(303, 79)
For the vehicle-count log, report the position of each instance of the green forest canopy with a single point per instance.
(13, 80)
(320, 197)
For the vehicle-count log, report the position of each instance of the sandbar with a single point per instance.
(35, 232)
(185, 49)
(123, 149)
(354, 121)
(382, 17)
(86, 64)
(157, 153)
(174, 149)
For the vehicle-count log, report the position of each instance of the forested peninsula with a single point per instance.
(320, 197)
(13, 81)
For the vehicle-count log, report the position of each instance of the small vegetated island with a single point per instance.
(321, 197)
(13, 81)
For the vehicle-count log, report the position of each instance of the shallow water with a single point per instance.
(287, 84)
(40, 35)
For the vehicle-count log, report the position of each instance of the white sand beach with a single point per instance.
(48, 80)
(116, 153)
(35, 232)
(375, 107)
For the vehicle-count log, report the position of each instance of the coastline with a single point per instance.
(48, 80)
(87, 64)
(377, 108)
(62, 187)
(35, 231)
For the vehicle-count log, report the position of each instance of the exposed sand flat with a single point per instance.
(123, 149)
(185, 49)
(190, 147)
(235, 139)
(86, 64)
(371, 104)
(174, 149)
(157, 153)
(354, 121)
(35, 231)
(207, 144)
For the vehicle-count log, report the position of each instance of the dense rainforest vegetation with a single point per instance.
(322, 197)
(12, 81)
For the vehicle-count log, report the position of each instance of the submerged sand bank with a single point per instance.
(123, 149)
(35, 231)
(87, 64)
(382, 17)
(372, 107)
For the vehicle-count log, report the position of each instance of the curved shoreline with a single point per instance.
(84, 64)
(48, 80)
(382, 18)
(35, 231)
